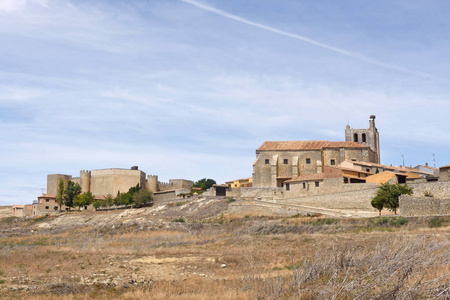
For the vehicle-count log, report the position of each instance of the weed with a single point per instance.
(48, 270)
(325, 221)
(180, 203)
(8, 220)
(428, 194)
(436, 222)
(230, 199)
(2, 281)
(38, 219)
(397, 222)
(179, 220)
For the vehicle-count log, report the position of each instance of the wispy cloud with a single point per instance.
(352, 54)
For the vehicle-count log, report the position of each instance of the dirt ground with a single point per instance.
(197, 250)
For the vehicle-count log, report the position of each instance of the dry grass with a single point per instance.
(229, 257)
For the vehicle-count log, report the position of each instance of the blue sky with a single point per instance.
(189, 89)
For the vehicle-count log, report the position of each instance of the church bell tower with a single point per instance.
(367, 137)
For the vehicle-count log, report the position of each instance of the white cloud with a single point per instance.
(15, 5)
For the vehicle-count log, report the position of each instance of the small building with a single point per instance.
(220, 189)
(387, 177)
(238, 183)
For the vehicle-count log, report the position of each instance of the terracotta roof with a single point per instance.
(307, 177)
(355, 177)
(307, 145)
(433, 168)
(353, 170)
(447, 166)
(47, 196)
(293, 145)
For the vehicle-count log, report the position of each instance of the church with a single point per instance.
(279, 161)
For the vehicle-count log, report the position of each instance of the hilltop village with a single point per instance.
(314, 175)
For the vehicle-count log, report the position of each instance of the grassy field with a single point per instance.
(224, 257)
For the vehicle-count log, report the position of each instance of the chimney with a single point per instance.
(426, 164)
(134, 168)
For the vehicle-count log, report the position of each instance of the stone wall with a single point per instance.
(165, 196)
(440, 190)
(111, 181)
(53, 181)
(423, 206)
(357, 199)
(262, 193)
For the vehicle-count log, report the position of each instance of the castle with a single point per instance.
(277, 162)
(111, 181)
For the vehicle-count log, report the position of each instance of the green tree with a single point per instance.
(109, 200)
(142, 198)
(97, 204)
(204, 183)
(60, 193)
(84, 199)
(378, 203)
(72, 190)
(388, 194)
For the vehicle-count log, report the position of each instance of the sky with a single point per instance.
(191, 88)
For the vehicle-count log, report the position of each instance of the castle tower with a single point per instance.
(85, 181)
(152, 183)
(368, 137)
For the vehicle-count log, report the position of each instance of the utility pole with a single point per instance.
(434, 160)
(403, 157)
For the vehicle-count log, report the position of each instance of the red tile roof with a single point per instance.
(307, 177)
(306, 145)
(293, 145)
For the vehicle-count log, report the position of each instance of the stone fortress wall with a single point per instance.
(114, 180)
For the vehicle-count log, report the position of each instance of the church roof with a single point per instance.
(306, 145)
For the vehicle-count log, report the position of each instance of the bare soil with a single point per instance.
(195, 249)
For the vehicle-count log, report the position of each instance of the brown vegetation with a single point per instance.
(142, 254)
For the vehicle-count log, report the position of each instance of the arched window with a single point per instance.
(363, 137)
(355, 137)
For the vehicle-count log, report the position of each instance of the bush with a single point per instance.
(179, 220)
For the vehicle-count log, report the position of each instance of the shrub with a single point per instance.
(179, 220)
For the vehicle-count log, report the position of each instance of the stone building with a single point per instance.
(277, 162)
(444, 173)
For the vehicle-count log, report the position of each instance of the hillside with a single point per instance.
(199, 250)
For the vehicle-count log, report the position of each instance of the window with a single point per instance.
(46, 207)
(353, 159)
(285, 161)
(332, 162)
(355, 137)
(47, 200)
(304, 185)
(55, 208)
(363, 137)
(308, 161)
(316, 183)
(367, 170)
(266, 161)
(287, 187)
